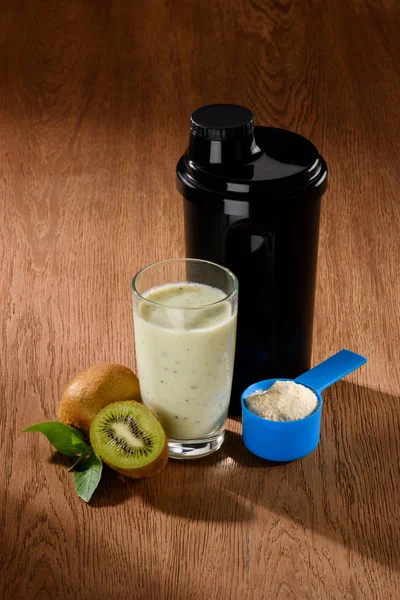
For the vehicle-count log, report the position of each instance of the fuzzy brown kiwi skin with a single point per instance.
(152, 468)
(93, 389)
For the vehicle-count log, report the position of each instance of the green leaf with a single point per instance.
(80, 445)
(65, 439)
(87, 475)
(80, 458)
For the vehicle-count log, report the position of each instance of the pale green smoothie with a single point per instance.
(185, 357)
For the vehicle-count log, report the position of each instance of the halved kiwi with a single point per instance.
(130, 439)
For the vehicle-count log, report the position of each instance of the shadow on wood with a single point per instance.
(328, 492)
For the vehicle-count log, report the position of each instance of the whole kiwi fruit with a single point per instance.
(93, 389)
(129, 439)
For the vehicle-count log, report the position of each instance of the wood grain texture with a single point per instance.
(94, 104)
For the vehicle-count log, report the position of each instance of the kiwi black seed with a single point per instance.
(130, 439)
(120, 441)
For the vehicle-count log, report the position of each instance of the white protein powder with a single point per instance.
(283, 401)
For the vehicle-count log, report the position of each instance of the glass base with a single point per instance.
(183, 449)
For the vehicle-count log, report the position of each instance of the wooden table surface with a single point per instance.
(95, 97)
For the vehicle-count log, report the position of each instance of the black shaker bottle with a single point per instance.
(252, 200)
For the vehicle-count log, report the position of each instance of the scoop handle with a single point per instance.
(331, 370)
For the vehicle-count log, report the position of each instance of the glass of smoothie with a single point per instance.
(185, 314)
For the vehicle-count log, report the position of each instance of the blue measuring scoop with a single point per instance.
(282, 441)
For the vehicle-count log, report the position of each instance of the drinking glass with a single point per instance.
(185, 313)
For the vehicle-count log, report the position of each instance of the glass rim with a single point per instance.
(226, 298)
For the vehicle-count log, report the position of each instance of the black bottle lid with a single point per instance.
(222, 122)
(228, 159)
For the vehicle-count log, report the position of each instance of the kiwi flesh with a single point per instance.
(93, 389)
(130, 439)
